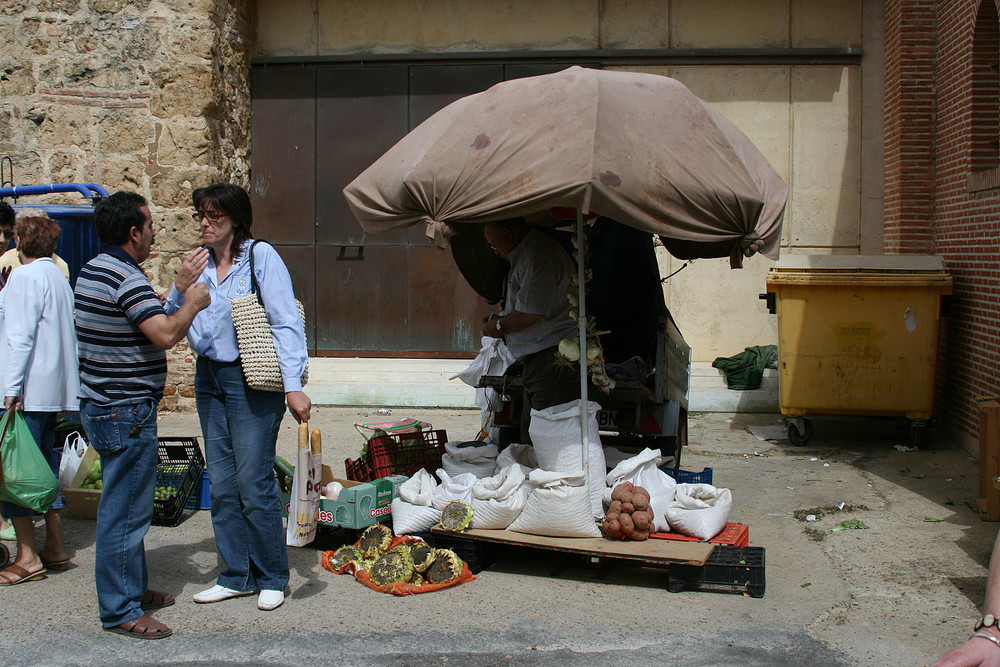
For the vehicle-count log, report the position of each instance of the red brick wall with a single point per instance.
(929, 204)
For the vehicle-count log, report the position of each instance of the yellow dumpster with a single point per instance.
(857, 335)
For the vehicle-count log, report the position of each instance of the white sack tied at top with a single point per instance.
(556, 435)
(480, 459)
(498, 500)
(419, 489)
(451, 488)
(558, 505)
(700, 510)
(412, 511)
(643, 470)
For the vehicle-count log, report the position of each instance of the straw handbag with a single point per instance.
(255, 340)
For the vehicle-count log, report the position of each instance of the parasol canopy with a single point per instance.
(638, 148)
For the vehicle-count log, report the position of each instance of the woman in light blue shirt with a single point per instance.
(240, 424)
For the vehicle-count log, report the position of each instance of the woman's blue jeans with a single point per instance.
(125, 437)
(240, 427)
(43, 429)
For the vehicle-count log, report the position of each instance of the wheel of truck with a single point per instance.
(797, 437)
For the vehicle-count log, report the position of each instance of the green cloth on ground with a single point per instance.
(746, 369)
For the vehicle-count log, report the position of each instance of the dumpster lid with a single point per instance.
(876, 263)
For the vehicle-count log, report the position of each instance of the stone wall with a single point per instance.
(146, 96)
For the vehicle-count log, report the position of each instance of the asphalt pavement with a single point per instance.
(900, 591)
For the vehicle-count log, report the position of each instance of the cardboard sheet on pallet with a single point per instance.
(659, 552)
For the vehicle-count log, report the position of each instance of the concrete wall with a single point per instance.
(806, 119)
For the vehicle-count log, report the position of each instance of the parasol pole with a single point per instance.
(581, 273)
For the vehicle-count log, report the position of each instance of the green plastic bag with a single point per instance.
(25, 476)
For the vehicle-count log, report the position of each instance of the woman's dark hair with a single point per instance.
(234, 202)
(6, 214)
(114, 216)
(37, 233)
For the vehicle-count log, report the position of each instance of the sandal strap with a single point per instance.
(150, 624)
(19, 571)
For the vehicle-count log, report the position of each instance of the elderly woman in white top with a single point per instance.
(39, 374)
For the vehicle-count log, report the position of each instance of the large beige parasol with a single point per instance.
(638, 148)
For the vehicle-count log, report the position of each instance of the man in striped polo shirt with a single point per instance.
(123, 335)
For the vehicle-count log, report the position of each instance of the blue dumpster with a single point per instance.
(78, 243)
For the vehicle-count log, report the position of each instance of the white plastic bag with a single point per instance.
(72, 456)
(498, 500)
(700, 510)
(303, 507)
(643, 470)
(558, 506)
(493, 359)
(520, 455)
(408, 518)
(555, 433)
(480, 459)
(419, 489)
(451, 488)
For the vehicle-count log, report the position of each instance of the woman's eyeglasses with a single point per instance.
(213, 216)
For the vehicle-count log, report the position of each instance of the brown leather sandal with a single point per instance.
(144, 627)
(153, 600)
(15, 574)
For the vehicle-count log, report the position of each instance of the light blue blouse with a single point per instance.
(212, 333)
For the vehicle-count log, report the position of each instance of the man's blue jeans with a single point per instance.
(125, 437)
(240, 426)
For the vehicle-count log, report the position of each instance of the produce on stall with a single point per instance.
(456, 516)
(629, 515)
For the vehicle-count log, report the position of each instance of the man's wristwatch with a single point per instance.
(500, 330)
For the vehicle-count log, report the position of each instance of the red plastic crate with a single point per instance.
(734, 534)
(398, 454)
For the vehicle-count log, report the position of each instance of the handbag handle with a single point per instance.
(254, 285)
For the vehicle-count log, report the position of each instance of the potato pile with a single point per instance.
(629, 515)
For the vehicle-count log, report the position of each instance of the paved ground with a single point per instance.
(900, 592)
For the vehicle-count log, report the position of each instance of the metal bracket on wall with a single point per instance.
(345, 257)
(6, 171)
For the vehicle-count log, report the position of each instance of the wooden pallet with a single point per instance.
(653, 552)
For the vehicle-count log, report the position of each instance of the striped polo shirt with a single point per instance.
(118, 364)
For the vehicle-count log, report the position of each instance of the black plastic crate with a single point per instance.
(180, 466)
(736, 567)
(477, 555)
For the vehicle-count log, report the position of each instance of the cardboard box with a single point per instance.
(989, 457)
(359, 505)
(82, 503)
